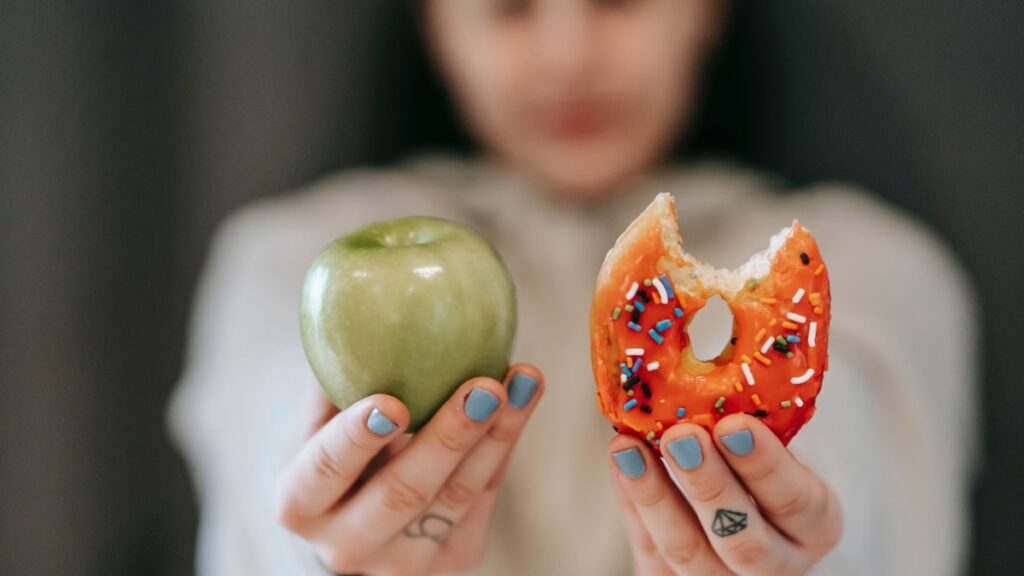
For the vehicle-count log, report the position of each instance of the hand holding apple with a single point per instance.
(409, 307)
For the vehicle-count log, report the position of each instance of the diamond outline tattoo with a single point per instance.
(728, 522)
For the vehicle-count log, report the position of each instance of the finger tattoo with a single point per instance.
(728, 522)
(432, 526)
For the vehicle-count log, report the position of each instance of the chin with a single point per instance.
(591, 176)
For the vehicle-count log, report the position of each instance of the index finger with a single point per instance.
(332, 460)
(792, 497)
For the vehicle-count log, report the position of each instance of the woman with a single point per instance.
(575, 102)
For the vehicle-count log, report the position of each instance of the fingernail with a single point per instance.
(379, 424)
(739, 443)
(686, 452)
(521, 389)
(481, 404)
(631, 462)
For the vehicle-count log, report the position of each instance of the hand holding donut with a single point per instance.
(744, 504)
(376, 501)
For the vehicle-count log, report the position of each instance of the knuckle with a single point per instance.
(650, 498)
(681, 552)
(401, 497)
(453, 439)
(502, 434)
(336, 560)
(753, 550)
(456, 494)
(328, 464)
(766, 470)
(705, 489)
(357, 436)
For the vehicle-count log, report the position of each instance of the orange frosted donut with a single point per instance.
(648, 291)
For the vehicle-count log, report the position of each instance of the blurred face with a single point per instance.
(580, 94)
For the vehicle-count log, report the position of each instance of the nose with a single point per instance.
(565, 40)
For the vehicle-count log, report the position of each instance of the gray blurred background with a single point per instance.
(128, 129)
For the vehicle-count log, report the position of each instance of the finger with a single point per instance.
(331, 461)
(647, 561)
(317, 408)
(668, 519)
(790, 495)
(404, 487)
(743, 539)
(418, 541)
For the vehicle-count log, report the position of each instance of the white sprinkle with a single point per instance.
(812, 335)
(634, 351)
(622, 377)
(767, 345)
(661, 290)
(801, 379)
(652, 366)
(796, 318)
(747, 374)
(632, 291)
(799, 402)
(798, 296)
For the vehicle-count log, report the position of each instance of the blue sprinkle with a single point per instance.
(655, 336)
(668, 286)
(680, 412)
(633, 326)
(630, 405)
(679, 312)
(663, 325)
(639, 305)
(793, 338)
(636, 363)
(625, 369)
(657, 441)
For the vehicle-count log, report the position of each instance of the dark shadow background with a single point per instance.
(128, 129)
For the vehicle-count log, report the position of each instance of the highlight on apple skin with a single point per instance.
(410, 307)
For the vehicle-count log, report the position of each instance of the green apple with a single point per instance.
(410, 307)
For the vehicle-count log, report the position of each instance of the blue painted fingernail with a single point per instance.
(631, 462)
(481, 404)
(521, 389)
(739, 443)
(380, 424)
(686, 452)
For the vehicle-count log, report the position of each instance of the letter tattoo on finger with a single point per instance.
(432, 526)
(728, 522)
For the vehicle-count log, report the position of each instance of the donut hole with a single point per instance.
(710, 329)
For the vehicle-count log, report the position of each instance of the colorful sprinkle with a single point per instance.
(747, 373)
(796, 317)
(814, 299)
(629, 362)
(821, 268)
(804, 377)
(760, 334)
(679, 312)
(645, 408)
(755, 399)
(805, 258)
(632, 291)
(769, 301)
(737, 386)
(720, 402)
(812, 335)
(746, 359)
(631, 381)
(761, 358)
(773, 322)
(659, 426)
(639, 305)
(668, 286)
(653, 366)
(628, 308)
(644, 296)
(789, 354)
(616, 313)
(661, 289)
(630, 404)
(790, 326)
(819, 310)
(633, 326)
(622, 378)
(629, 393)
(792, 339)
(634, 351)
(680, 412)
(799, 402)
(663, 325)
(634, 315)
(767, 345)
(650, 435)
(647, 281)
(625, 369)
(656, 298)
(645, 389)
(786, 404)
(798, 296)
(655, 336)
